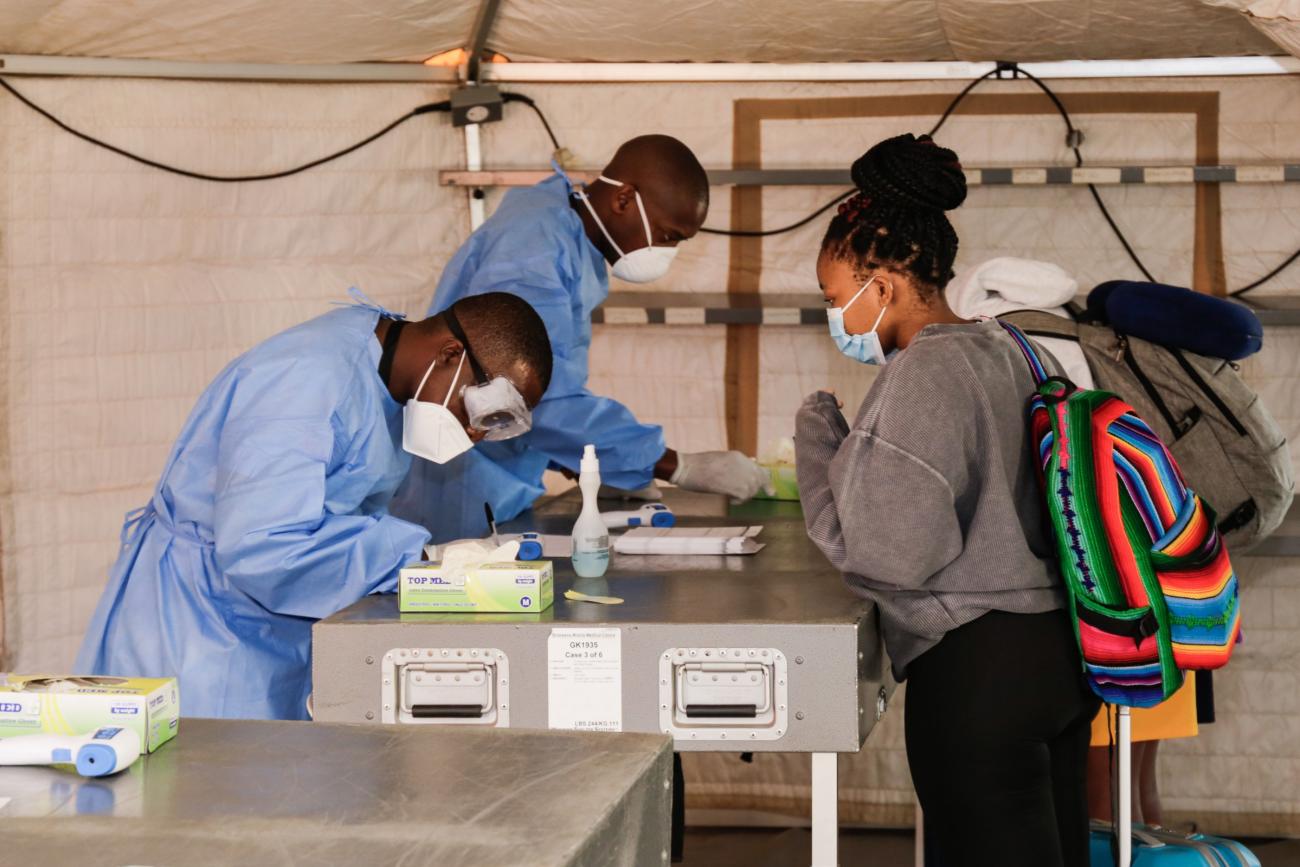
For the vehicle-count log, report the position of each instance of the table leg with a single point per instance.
(825, 810)
(679, 810)
(918, 855)
(1124, 821)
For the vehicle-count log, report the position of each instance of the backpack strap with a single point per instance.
(1036, 366)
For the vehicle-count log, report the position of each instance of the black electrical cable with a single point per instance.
(751, 233)
(1237, 293)
(754, 233)
(1072, 140)
(423, 109)
(740, 233)
(445, 105)
(1096, 195)
(528, 101)
(952, 106)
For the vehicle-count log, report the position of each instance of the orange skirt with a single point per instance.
(1175, 717)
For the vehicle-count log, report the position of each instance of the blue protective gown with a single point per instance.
(270, 514)
(533, 246)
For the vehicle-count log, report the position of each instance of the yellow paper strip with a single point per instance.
(575, 596)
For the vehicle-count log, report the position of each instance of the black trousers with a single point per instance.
(998, 718)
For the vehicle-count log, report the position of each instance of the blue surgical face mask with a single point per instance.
(866, 347)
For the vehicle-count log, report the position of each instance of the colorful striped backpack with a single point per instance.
(1151, 587)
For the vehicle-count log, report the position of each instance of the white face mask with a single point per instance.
(643, 265)
(860, 347)
(431, 430)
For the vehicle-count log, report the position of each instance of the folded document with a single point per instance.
(690, 540)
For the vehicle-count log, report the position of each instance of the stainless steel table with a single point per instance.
(767, 652)
(241, 792)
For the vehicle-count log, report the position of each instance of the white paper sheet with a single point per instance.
(585, 679)
(690, 540)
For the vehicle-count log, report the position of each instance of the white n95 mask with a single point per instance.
(865, 348)
(431, 430)
(643, 265)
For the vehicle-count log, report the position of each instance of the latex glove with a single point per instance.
(732, 473)
(649, 492)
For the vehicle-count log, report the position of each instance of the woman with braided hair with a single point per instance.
(928, 503)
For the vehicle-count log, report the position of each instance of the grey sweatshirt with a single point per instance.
(929, 504)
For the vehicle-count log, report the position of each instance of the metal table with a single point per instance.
(242, 792)
(767, 652)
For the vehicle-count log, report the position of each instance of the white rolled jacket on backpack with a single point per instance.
(1006, 283)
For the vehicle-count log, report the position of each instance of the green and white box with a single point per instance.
(77, 705)
(518, 586)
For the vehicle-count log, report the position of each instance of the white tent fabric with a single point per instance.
(857, 30)
(123, 290)
(252, 31)
(1279, 20)
(303, 31)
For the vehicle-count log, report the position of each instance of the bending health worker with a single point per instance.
(272, 509)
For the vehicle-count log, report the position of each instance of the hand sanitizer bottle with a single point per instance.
(590, 536)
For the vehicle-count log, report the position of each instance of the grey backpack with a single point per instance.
(1228, 446)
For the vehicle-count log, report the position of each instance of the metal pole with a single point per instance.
(1177, 67)
(918, 856)
(114, 67)
(474, 162)
(487, 16)
(117, 67)
(1124, 821)
(825, 810)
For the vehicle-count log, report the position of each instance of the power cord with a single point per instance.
(756, 233)
(528, 101)
(1237, 293)
(751, 233)
(227, 179)
(1073, 139)
(1000, 68)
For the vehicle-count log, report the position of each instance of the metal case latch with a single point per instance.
(723, 693)
(446, 686)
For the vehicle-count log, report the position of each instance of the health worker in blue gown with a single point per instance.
(553, 245)
(272, 509)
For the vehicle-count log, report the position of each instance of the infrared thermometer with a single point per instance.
(530, 547)
(649, 515)
(102, 752)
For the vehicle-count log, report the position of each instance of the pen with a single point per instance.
(492, 523)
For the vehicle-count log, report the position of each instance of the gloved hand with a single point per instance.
(732, 473)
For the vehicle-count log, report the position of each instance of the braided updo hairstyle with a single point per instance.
(896, 219)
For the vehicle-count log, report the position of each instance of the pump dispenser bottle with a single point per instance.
(590, 536)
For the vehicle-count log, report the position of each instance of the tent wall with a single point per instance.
(301, 31)
(123, 290)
